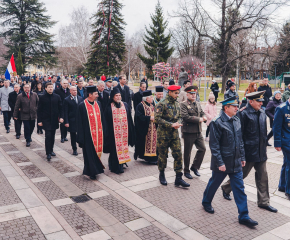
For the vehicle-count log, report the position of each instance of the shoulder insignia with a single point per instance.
(282, 105)
(216, 118)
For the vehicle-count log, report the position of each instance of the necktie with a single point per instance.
(65, 91)
(28, 95)
(76, 99)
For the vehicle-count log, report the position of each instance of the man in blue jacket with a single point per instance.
(281, 130)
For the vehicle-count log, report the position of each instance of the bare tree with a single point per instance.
(75, 37)
(235, 16)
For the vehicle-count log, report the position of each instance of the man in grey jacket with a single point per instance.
(4, 106)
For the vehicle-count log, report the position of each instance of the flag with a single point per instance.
(11, 69)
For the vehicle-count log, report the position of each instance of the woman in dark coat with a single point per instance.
(215, 89)
(39, 91)
(270, 111)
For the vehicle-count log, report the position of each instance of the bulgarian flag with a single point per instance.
(11, 69)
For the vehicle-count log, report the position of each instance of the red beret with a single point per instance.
(173, 88)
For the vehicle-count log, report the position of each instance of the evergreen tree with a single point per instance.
(25, 25)
(18, 63)
(155, 37)
(108, 42)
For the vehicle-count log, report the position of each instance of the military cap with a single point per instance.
(158, 89)
(91, 89)
(147, 93)
(173, 88)
(257, 96)
(230, 101)
(231, 84)
(191, 89)
(108, 80)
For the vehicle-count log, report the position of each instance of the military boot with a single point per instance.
(179, 181)
(162, 178)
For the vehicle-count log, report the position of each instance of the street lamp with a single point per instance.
(275, 73)
(157, 50)
(205, 46)
(129, 46)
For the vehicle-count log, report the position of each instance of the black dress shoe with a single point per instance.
(62, 140)
(226, 196)
(93, 177)
(269, 145)
(53, 154)
(65, 139)
(8, 131)
(48, 157)
(75, 153)
(27, 144)
(179, 181)
(269, 208)
(281, 190)
(41, 132)
(195, 171)
(287, 195)
(248, 222)
(187, 175)
(208, 209)
(17, 137)
(162, 178)
(30, 140)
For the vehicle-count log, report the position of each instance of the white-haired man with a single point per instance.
(103, 95)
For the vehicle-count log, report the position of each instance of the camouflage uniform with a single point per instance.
(167, 112)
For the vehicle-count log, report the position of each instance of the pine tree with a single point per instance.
(25, 29)
(155, 37)
(19, 65)
(108, 42)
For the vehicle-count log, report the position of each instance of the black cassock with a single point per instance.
(92, 163)
(141, 128)
(110, 145)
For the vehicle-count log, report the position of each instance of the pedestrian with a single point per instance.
(73, 83)
(103, 96)
(12, 82)
(91, 82)
(144, 80)
(125, 91)
(167, 116)
(192, 116)
(115, 84)
(146, 132)
(270, 111)
(50, 115)
(4, 106)
(158, 95)
(231, 92)
(120, 131)
(116, 78)
(254, 133)
(182, 94)
(80, 89)
(12, 101)
(27, 105)
(286, 94)
(165, 88)
(281, 131)
(63, 92)
(251, 88)
(103, 77)
(182, 76)
(70, 106)
(228, 82)
(210, 112)
(108, 86)
(34, 83)
(264, 86)
(215, 89)
(227, 159)
(39, 91)
(54, 82)
(139, 95)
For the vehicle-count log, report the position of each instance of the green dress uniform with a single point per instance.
(167, 112)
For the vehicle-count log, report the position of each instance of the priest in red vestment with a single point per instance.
(120, 132)
(90, 133)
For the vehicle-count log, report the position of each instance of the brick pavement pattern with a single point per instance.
(85, 184)
(152, 233)
(20, 229)
(34, 145)
(185, 205)
(118, 209)
(7, 194)
(3, 139)
(50, 190)
(18, 157)
(31, 171)
(78, 219)
(62, 167)
(9, 148)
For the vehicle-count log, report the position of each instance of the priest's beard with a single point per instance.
(117, 103)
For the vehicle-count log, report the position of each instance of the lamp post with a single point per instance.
(275, 73)
(205, 46)
(129, 46)
(157, 50)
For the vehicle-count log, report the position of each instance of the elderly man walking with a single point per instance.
(12, 101)
(4, 106)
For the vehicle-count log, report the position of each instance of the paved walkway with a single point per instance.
(36, 199)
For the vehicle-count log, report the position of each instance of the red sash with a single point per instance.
(95, 121)
(151, 137)
(120, 124)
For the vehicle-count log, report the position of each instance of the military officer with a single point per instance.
(167, 116)
(227, 158)
(281, 130)
(158, 94)
(193, 116)
(254, 130)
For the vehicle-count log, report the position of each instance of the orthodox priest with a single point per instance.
(90, 133)
(158, 94)
(146, 132)
(120, 132)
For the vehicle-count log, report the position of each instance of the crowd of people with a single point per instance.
(101, 118)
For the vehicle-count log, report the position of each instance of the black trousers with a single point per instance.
(49, 141)
(7, 117)
(63, 131)
(270, 134)
(216, 94)
(207, 131)
(73, 140)
(17, 125)
(28, 129)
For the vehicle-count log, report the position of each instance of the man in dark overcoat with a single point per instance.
(138, 95)
(125, 91)
(12, 101)
(103, 96)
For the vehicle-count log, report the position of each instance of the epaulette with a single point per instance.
(282, 105)
(236, 117)
(216, 118)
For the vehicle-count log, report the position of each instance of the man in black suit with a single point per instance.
(81, 90)
(70, 106)
(125, 91)
(63, 92)
(145, 81)
(12, 101)
(55, 84)
(104, 96)
(138, 95)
